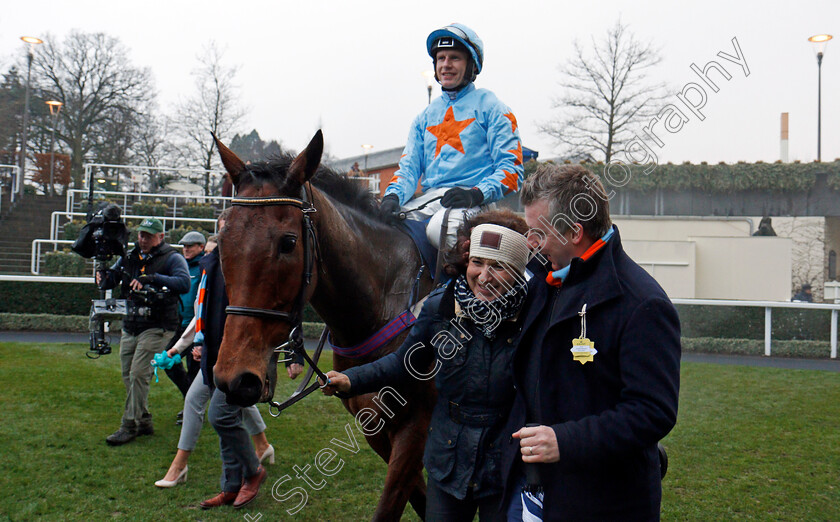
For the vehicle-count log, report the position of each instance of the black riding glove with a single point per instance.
(462, 198)
(389, 209)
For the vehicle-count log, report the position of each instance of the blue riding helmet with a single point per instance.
(442, 38)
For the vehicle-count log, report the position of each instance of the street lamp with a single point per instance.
(429, 76)
(367, 148)
(32, 42)
(55, 108)
(820, 41)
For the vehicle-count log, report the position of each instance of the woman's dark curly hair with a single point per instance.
(456, 259)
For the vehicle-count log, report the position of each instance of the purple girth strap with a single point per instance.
(379, 339)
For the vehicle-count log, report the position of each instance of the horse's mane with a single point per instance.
(338, 186)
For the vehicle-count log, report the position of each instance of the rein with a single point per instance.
(294, 345)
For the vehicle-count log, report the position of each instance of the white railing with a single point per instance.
(54, 218)
(128, 171)
(768, 314)
(38, 251)
(46, 279)
(14, 185)
(139, 196)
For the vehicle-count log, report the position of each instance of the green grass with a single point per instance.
(754, 444)
(750, 443)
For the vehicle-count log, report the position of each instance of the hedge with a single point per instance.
(198, 210)
(802, 349)
(23, 297)
(65, 263)
(722, 177)
(738, 322)
(79, 324)
(149, 208)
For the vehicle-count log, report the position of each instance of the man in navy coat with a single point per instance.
(597, 370)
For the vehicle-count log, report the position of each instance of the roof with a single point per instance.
(375, 160)
(391, 157)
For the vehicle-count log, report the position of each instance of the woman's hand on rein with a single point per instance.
(338, 383)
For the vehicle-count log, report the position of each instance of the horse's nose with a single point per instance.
(244, 390)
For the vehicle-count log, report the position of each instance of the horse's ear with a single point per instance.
(306, 163)
(231, 161)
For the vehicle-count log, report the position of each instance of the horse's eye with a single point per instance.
(287, 244)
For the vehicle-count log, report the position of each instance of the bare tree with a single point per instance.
(606, 92)
(213, 109)
(102, 93)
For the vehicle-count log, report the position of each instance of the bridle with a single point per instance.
(294, 345)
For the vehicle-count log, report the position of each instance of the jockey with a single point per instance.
(464, 148)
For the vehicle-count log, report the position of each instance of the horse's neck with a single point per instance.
(365, 273)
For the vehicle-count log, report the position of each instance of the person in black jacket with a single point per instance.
(597, 370)
(152, 276)
(465, 338)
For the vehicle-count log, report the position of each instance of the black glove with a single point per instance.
(389, 209)
(146, 279)
(462, 198)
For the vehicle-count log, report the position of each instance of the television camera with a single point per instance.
(102, 238)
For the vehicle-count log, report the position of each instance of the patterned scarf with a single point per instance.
(199, 313)
(488, 315)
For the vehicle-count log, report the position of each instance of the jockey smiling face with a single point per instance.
(450, 68)
(458, 55)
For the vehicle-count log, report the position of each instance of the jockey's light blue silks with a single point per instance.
(468, 139)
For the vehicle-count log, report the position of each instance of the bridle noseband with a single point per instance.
(294, 345)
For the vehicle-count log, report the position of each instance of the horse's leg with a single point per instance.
(405, 469)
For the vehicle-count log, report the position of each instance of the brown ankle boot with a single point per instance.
(250, 488)
(224, 498)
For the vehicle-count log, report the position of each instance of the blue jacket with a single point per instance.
(188, 298)
(608, 414)
(470, 140)
(474, 382)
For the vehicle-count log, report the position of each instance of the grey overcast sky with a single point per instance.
(354, 68)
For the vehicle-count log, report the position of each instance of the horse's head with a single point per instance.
(263, 257)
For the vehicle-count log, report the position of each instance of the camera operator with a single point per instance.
(152, 276)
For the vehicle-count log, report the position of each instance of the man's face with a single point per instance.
(545, 239)
(190, 251)
(451, 66)
(147, 241)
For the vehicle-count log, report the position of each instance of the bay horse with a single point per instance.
(362, 276)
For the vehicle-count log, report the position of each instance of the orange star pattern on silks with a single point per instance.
(518, 153)
(511, 181)
(449, 132)
(513, 124)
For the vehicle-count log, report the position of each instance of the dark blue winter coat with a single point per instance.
(610, 413)
(474, 382)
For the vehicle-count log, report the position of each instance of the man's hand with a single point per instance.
(538, 444)
(462, 198)
(338, 383)
(389, 209)
(294, 370)
(196, 353)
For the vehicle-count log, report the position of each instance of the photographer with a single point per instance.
(152, 276)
